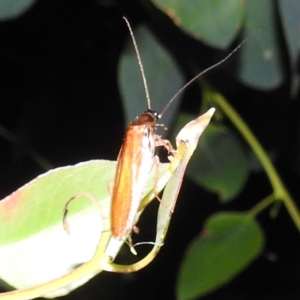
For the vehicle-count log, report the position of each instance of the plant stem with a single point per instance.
(280, 192)
(262, 205)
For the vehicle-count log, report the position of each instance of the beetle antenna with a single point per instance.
(200, 74)
(140, 63)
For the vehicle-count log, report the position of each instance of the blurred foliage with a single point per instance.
(13, 9)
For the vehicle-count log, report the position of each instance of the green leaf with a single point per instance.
(290, 11)
(33, 244)
(191, 132)
(163, 77)
(11, 9)
(39, 204)
(260, 65)
(213, 21)
(219, 163)
(228, 244)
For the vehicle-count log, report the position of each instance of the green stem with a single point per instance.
(280, 192)
(262, 205)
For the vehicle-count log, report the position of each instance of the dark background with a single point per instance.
(58, 92)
